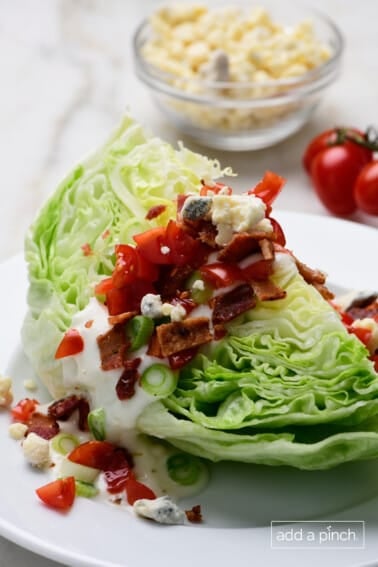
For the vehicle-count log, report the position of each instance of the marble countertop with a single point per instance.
(67, 76)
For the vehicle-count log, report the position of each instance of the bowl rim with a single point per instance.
(296, 87)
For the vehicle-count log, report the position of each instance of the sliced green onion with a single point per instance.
(80, 472)
(201, 294)
(185, 469)
(85, 489)
(139, 329)
(96, 423)
(64, 443)
(159, 380)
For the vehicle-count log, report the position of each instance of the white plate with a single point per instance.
(240, 501)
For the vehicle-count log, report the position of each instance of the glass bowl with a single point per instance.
(243, 115)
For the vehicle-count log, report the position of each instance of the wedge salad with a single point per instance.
(173, 327)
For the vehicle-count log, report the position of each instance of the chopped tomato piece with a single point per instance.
(59, 494)
(72, 343)
(131, 265)
(279, 235)
(184, 249)
(95, 454)
(215, 189)
(136, 490)
(268, 188)
(117, 471)
(24, 410)
(104, 286)
(151, 245)
(363, 334)
(127, 298)
(220, 274)
(259, 270)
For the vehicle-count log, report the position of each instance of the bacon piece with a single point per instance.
(259, 270)
(203, 230)
(181, 335)
(308, 274)
(63, 409)
(43, 425)
(122, 317)
(113, 346)
(154, 348)
(229, 305)
(194, 515)
(364, 307)
(243, 244)
(324, 291)
(267, 248)
(155, 211)
(125, 386)
(267, 291)
(172, 280)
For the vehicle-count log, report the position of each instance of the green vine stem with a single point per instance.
(368, 140)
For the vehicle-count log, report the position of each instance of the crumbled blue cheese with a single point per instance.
(152, 306)
(36, 450)
(165, 250)
(196, 208)
(162, 510)
(199, 285)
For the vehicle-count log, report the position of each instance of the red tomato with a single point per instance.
(136, 490)
(184, 249)
(366, 188)
(72, 343)
(329, 138)
(220, 274)
(131, 265)
(334, 172)
(279, 235)
(59, 494)
(127, 298)
(268, 188)
(104, 286)
(24, 410)
(363, 335)
(259, 270)
(95, 454)
(151, 245)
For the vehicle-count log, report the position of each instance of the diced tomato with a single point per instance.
(220, 274)
(131, 265)
(151, 245)
(215, 189)
(136, 490)
(180, 359)
(279, 235)
(184, 249)
(104, 286)
(72, 343)
(24, 410)
(95, 454)
(127, 298)
(363, 335)
(59, 494)
(346, 318)
(268, 188)
(259, 270)
(117, 471)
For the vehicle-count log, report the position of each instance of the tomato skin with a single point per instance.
(136, 490)
(150, 244)
(279, 235)
(131, 265)
(327, 139)
(268, 188)
(334, 172)
(220, 274)
(24, 409)
(72, 343)
(363, 335)
(366, 188)
(104, 286)
(58, 494)
(95, 454)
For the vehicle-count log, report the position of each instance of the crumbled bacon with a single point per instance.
(43, 425)
(172, 280)
(242, 245)
(88, 324)
(324, 291)
(113, 346)
(229, 305)
(266, 290)
(364, 307)
(122, 317)
(63, 409)
(155, 211)
(154, 348)
(87, 250)
(194, 515)
(267, 248)
(309, 275)
(181, 335)
(125, 386)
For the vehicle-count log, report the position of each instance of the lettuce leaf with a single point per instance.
(102, 202)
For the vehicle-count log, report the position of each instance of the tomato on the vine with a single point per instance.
(366, 188)
(334, 160)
